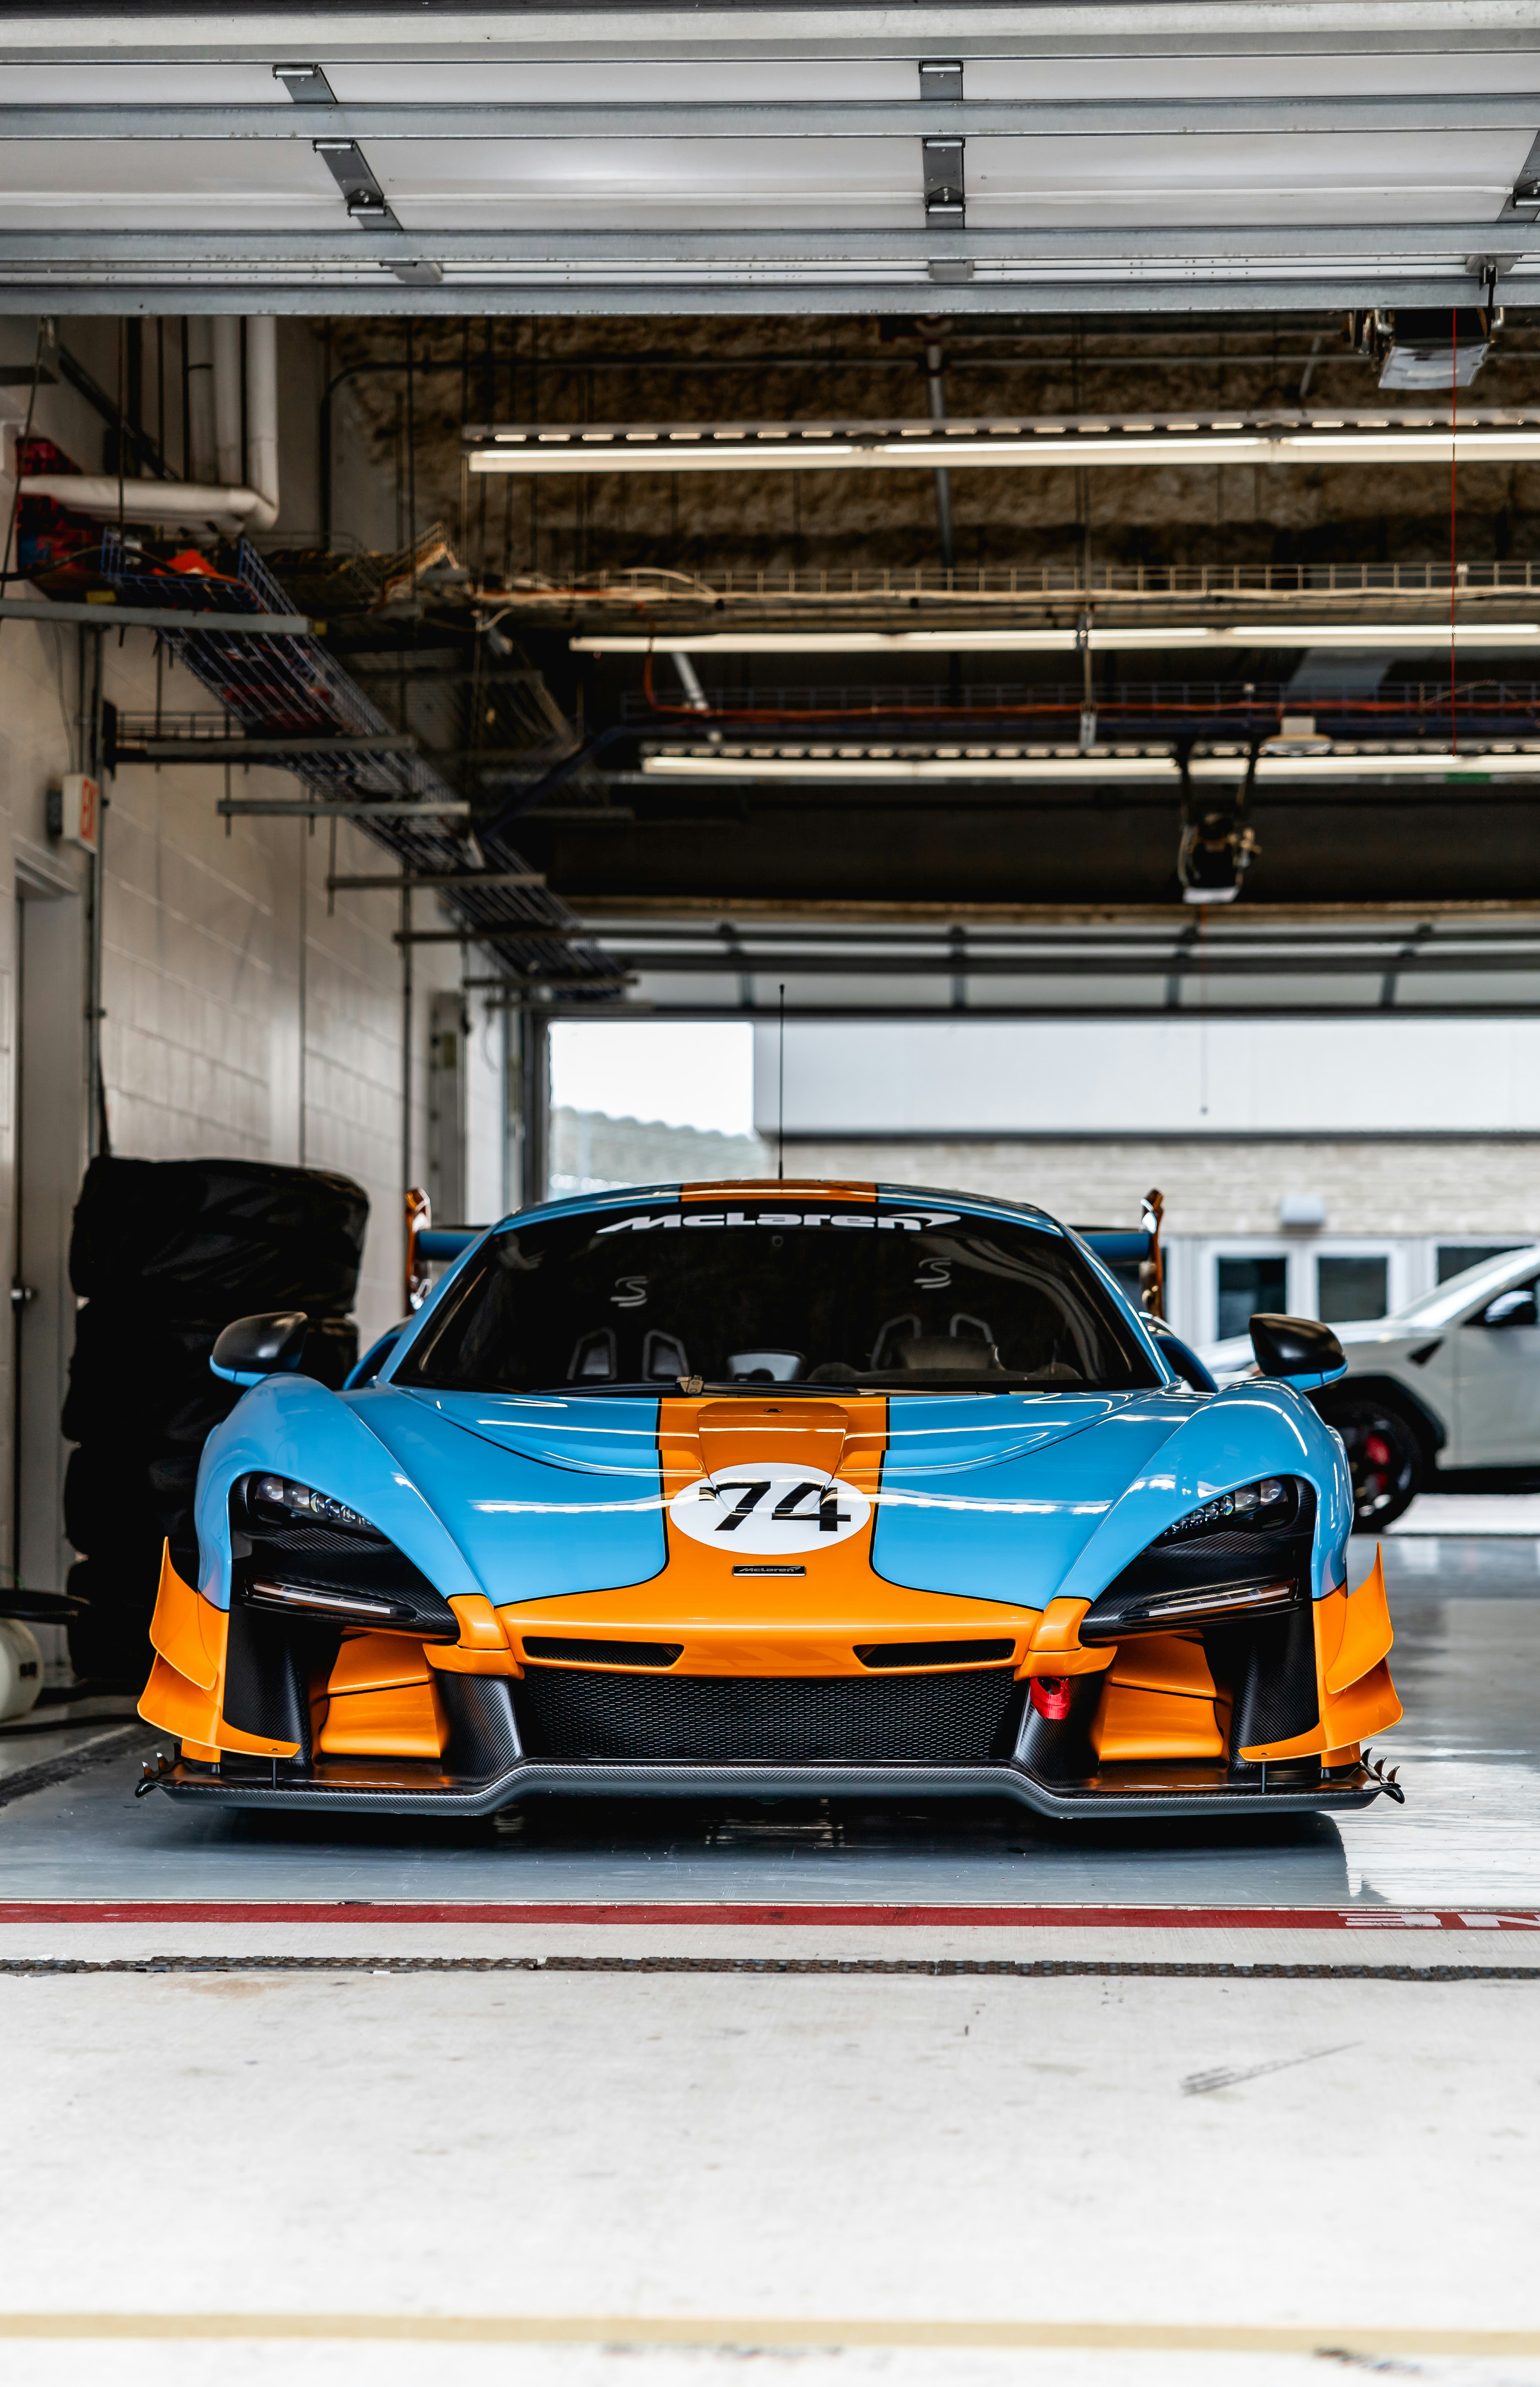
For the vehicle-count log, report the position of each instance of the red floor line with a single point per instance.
(680, 1914)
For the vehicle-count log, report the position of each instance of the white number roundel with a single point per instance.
(769, 1510)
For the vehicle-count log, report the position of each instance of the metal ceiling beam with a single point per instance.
(726, 949)
(1179, 960)
(749, 118)
(1437, 1003)
(762, 799)
(848, 30)
(374, 293)
(1360, 246)
(1412, 931)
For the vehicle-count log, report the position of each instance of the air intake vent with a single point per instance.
(602, 1653)
(934, 1653)
(574, 1718)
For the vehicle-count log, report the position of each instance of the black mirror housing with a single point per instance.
(1301, 1349)
(1514, 1308)
(271, 1344)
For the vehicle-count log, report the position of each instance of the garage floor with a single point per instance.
(840, 2097)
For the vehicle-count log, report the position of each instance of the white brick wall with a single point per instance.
(202, 939)
(201, 989)
(1460, 1189)
(1398, 1198)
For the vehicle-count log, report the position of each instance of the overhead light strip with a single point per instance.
(1069, 763)
(1041, 443)
(1491, 638)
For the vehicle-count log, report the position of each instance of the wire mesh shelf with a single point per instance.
(273, 685)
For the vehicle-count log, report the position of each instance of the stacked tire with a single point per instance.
(164, 1254)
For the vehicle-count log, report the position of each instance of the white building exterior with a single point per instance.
(1304, 1164)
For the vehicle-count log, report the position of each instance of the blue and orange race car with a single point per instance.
(767, 1490)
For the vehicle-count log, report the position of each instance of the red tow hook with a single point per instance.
(1050, 1696)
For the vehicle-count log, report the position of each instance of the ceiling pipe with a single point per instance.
(198, 465)
(261, 416)
(228, 441)
(242, 500)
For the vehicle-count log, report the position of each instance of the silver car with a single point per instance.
(1451, 1384)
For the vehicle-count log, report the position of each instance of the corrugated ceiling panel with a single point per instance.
(1227, 179)
(643, 185)
(199, 185)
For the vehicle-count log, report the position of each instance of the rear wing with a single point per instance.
(1134, 1255)
(429, 1246)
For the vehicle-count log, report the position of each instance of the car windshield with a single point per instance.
(765, 1293)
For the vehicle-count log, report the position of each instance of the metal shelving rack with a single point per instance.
(284, 685)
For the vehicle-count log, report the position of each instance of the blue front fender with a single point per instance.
(290, 1425)
(1251, 1430)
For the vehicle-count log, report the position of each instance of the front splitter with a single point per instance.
(387, 1791)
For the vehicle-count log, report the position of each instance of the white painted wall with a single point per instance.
(242, 1018)
(1329, 1077)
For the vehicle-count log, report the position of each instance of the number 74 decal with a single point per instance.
(825, 1496)
(770, 1509)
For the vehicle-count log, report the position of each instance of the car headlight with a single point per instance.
(1260, 1506)
(1243, 1555)
(305, 1555)
(273, 1500)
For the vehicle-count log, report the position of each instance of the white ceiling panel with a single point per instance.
(206, 82)
(487, 82)
(1192, 73)
(728, 185)
(204, 185)
(1235, 179)
(1188, 75)
(1177, 152)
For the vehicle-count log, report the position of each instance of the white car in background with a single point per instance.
(1449, 1385)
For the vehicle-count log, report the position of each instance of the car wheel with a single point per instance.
(1385, 1456)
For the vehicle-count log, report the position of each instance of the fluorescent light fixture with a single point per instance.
(1495, 638)
(1355, 436)
(885, 764)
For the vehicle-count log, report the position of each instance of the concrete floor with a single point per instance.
(1245, 2149)
(1467, 1660)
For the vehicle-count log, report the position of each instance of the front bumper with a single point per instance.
(391, 1787)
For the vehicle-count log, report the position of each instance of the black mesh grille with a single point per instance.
(577, 1719)
(1241, 1542)
(319, 1538)
(932, 1653)
(602, 1653)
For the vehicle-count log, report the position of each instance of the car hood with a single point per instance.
(1061, 1521)
(1007, 1496)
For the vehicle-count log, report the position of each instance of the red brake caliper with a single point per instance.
(1376, 1453)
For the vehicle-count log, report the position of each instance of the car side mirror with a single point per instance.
(271, 1344)
(1515, 1308)
(1300, 1349)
